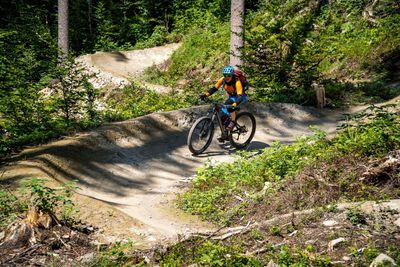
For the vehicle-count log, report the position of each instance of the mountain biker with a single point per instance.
(236, 96)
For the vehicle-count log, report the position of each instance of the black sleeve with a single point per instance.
(212, 90)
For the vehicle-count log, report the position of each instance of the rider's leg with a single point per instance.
(226, 119)
(234, 99)
(227, 111)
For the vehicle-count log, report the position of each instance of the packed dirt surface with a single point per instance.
(137, 166)
(129, 172)
(116, 69)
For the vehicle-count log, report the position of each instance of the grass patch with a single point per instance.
(135, 100)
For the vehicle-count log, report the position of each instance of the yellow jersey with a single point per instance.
(235, 88)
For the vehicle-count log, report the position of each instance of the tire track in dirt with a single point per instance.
(138, 165)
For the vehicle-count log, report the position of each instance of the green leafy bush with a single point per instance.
(373, 132)
(356, 216)
(10, 207)
(47, 198)
(293, 43)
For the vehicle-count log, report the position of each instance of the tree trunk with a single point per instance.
(63, 29)
(237, 35)
(90, 17)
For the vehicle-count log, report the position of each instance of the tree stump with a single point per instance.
(320, 94)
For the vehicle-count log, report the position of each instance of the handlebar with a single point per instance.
(215, 103)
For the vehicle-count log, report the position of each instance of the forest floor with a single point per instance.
(130, 172)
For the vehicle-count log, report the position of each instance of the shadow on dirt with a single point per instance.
(112, 158)
(151, 150)
(119, 56)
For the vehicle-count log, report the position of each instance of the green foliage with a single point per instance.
(365, 256)
(25, 58)
(157, 38)
(72, 93)
(201, 55)
(33, 115)
(119, 254)
(284, 256)
(256, 234)
(214, 188)
(293, 43)
(214, 192)
(106, 30)
(35, 192)
(10, 207)
(373, 132)
(356, 216)
(276, 230)
(135, 101)
(275, 42)
(207, 253)
(47, 198)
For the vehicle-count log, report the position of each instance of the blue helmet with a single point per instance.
(228, 70)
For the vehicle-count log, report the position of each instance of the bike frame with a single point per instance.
(214, 113)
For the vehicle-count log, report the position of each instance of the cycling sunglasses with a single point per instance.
(228, 75)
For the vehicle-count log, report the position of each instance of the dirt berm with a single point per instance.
(136, 166)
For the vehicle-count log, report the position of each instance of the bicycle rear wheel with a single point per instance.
(243, 132)
(200, 135)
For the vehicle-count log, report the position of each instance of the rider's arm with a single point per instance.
(215, 88)
(239, 92)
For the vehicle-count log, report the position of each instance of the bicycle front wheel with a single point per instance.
(200, 135)
(243, 132)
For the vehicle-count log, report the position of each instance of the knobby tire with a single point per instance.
(200, 135)
(244, 130)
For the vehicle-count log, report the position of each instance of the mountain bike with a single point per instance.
(202, 131)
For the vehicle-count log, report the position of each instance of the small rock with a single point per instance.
(267, 185)
(65, 236)
(335, 243)
(271, 263)
(381, 259)
(330, 223)
(292, 233)
(2, 234)
(346, 258)
(55, 255)
(151, 238)
(87, 257)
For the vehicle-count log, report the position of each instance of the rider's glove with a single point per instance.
(234, 105)
(203, 97)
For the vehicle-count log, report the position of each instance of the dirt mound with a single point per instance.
(115, 69)
(136, 166)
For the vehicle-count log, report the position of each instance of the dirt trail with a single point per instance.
(137, 166)
(116, 69)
